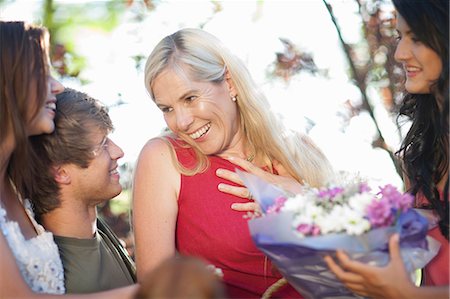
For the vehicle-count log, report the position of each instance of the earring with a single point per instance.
(233, 98)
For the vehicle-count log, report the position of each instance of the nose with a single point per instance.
(184, 119)
(115, 151)
(402, 52)
(55, 86)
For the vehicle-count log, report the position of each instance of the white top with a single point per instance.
(38, 258)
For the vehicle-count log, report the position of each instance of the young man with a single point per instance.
(79, 171)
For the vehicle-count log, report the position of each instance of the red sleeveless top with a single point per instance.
(436, 272)
(208, 228)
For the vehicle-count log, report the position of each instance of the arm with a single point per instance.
(12, 284)
(390, 281)
(11, 281)
(283, 180)
(155, 192)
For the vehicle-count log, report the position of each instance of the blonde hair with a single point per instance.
(206, 59)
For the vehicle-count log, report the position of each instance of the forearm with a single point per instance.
(425, 292)
(119, 293)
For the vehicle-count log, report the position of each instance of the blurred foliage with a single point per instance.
(372, 63)
(66, 20)
(292, 61)
(3, 2)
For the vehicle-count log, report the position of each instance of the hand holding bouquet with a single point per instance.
(297, 232)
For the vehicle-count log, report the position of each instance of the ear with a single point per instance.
(230, 84)
(61, 175)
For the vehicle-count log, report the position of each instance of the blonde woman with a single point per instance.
(215, 115)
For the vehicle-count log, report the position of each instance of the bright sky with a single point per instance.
(252, 32)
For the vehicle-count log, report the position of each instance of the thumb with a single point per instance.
(394, 248)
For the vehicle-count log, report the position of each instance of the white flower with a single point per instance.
(308, 213)
(295, 204)
(359, 202)
(333, 221)
(313, 212)
(355, 223)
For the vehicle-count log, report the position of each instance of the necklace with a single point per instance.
(251, 157)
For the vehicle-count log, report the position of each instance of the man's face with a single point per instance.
(98, 182)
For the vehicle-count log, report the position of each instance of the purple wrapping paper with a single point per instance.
(300, 260)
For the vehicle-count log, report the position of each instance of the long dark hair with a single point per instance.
(425, 147)
(23, 66)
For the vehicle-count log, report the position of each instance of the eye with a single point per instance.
(101, 147)
(166, 109)
(415, 39)
(190, 98)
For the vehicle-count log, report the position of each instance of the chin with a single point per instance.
(49, 129)
(415, 88)
(46, 128)
(117, 191)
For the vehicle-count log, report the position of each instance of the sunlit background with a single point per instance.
(107, 43)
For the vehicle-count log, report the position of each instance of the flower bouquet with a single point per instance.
(296, 232)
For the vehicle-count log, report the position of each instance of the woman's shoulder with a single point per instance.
(156, 146)
(164, 150)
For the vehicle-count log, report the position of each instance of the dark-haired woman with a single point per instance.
(423, 29)
(29, 258)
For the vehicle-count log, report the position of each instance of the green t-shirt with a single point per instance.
(92, 265)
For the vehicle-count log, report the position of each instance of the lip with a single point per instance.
(411, 70)
(51, 100)
(208, 128)
(50, 112)
(196, 130)
(114, 173)
(50, 105)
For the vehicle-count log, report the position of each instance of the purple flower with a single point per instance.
(399, 202)
(336, 191)
(308, 229)
(323, 193)
(379, 213)
(364, 188)
(331, 192)
(389, 191)
(276, 207)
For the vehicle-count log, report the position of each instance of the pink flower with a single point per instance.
(276, 207)
(364, 188)
(331, 192)
(379, 213)
(400, 202)
(308, 229)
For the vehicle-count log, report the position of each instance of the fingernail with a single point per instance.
(220, 187)
(219, 171)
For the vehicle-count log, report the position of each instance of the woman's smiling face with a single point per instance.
(200, 111)
(43, 122)
(422, 64)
